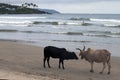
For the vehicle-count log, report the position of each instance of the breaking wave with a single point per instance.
(112, 25)
(74, 23)
(63, 23)
(65, 33)
(72, 41)
(16, 23)
(8, 30)
(86, 19)
(88, 33)
(27, 23)
(52, 23)
(95, 19)
(105, 20)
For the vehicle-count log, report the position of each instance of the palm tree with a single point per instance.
(28, 5)
(34, 5)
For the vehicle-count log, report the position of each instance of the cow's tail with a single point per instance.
(109, 59)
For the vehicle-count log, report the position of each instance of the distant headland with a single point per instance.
(26, 8)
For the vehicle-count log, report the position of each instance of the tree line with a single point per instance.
(29, 5)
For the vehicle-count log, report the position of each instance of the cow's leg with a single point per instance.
(63, 64)
(92, 67)
(104, 66)
(109, 66)
(44, 60)
(59, 63)
(48, 61)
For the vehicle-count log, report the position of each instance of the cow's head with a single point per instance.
(75, 56)
(82, 51)
(69, 55)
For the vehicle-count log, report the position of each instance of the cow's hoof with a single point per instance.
(44, 66)
(92, 71)
(101, 72)
(108, 73)
(49, 67)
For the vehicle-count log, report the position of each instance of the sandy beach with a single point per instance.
(25, 62)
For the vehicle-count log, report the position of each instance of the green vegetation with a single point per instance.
(28, 5)
(24, 9)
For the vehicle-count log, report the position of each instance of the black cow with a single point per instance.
(55, 52)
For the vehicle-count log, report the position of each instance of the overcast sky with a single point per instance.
(74, 6)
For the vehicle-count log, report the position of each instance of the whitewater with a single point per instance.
(63, 30)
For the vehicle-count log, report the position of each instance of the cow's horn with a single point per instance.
(84, 48)
(78, 49)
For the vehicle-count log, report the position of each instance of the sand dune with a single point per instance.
(25, 62)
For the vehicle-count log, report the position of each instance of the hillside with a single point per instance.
(50, 11)
(14, 9)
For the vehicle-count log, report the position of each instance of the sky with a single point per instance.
(74, 6)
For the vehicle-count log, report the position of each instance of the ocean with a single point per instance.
(63, 30)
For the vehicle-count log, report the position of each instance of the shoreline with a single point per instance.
(26, 62)
(114, 49)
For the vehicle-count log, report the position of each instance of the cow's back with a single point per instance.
(101, 55)
(53, 52)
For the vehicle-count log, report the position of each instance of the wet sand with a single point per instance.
(25, 62)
